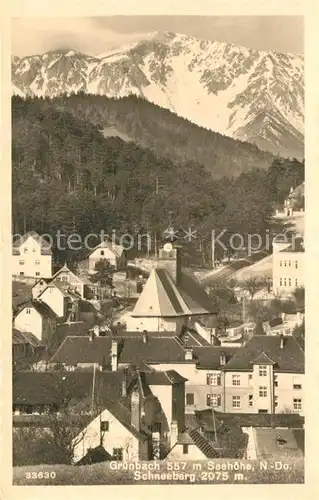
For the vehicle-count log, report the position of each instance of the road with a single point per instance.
(225, 272)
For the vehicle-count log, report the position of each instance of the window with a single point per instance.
(213, 400)
(250, 400)
(280, 263)
(21, 273)
(285, 263)
(213, 379)
(289, 282)
(28, 311)
(37, 273)
(185, 449)
(296, 264)
(33, 249)
(236, 401)
(276, 401)
(250, 379)
(297, 383)
(296, 283)
(280, 282)
(189, 398)
(297, 404)
(25, 250)
(276, 380)
(21, 262)
(285, 282)
(262, 411)
(262, 391)
(64, 277)
(290, 263)
(236, 379)
(104, 426)
(262, 370)
(102, 252)
(118, 454)
(37, 262)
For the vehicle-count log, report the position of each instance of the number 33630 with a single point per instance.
(40, 475)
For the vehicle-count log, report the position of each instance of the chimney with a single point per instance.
(174, 432)
(145, 338)
(96, 330)
(222, 358)
(124, 383)
(188, 354)
(178, 265)
(114, 353)
(135, 409)
(281, 341)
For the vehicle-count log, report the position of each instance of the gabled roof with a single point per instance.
(40, 307)
(169, 377)
(263, 359)
(45, 245)
(208, 357)
(64, 288)
(290, 358)
(297, 192)
(116, 249)
(161, 297)
(19, 337)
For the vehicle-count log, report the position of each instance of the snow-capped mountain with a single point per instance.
(243, 93)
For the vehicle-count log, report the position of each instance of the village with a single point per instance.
(127, 361)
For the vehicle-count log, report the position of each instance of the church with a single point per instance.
(172, 298)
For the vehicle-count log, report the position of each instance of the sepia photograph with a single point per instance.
(158, 256)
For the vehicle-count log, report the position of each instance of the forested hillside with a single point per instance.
(167, 134)
(67, 176)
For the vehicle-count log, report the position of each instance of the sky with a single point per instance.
(97, 35)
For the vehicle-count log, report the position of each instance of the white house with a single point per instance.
(37, 318)
(288, 268)
(31, 256)
(106, 250)
(64, 302)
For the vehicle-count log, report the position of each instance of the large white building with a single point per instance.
(288, 268)
(31, 256)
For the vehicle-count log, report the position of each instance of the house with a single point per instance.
(274, 443)
(26, 348)
(295, 201)
(65, 278)
(284, 325)
(126, 417)
(64, 301)
(170, 302)
(37, 318)
(288, 268)
(107, 250)
(31, 256)
(265, 376)
(200, 365)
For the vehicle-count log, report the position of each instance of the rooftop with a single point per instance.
(290, 358)
(45, 245)
(19, 337)
(277, 442)
(162, 297)
(39, 306)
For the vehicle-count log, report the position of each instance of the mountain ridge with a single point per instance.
(258, 95)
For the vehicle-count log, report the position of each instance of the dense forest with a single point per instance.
(68, 176)
(165, 133)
